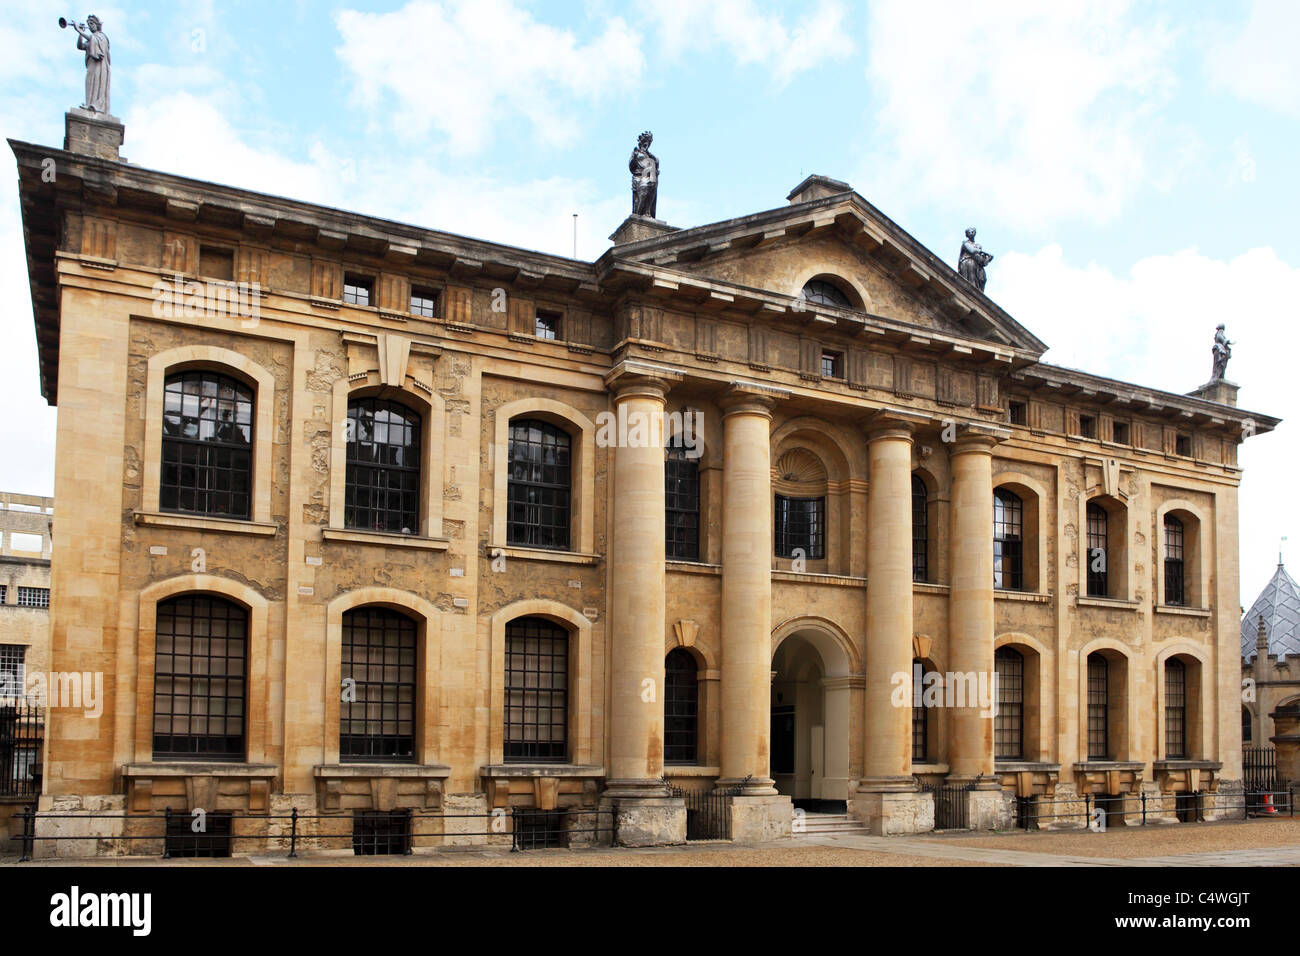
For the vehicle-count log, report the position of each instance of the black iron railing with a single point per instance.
(951, 805)
(22, 732)
(1141, 809)
(369, 832)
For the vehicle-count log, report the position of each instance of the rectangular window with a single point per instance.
(1098, 554)
(214, 841)
(1009, 722)
(1018, 413)
(832, 364)
(1174, 581)
(1087, 426)
(4, 593)
(358, 289)
(424, 302)
(1183, 445)
(377, 663)
(1098, 737)
(539, 829)
(537, 692)
(548, 324)
(13, 671)
(1175, 710)
(215, 263)
(920, 722)
(198, 688)
(682, 507)
(1120, 432)
(800, 526)
(33, 597)
(381, 832)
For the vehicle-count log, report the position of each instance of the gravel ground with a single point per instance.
(1130, 843)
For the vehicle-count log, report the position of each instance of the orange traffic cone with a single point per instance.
(1269, 809)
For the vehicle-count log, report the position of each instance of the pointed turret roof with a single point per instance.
(1279, 605)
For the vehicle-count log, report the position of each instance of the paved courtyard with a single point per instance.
(1257, 843)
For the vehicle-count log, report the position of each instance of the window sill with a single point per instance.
(692, 567)
(1184, 611)
(811, 577)
(1010, 765)
(1101, 766)
(1028, 597)
(1117, 604)
(384, 539)
(199, 768)
(542, 554)
(159, 519)
(925, 587)
(1186, 764)
(339, 770)
(528, 770)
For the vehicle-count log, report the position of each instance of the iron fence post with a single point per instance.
(613, 824)
(1290, 798)
(167, 829)
(514, 829)
(29, 832)
(410, 831)
(1087, 810)
(293, 833)
(1143, 796)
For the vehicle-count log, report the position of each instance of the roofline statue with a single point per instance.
(94, 41)
(1221, 351)
(972, 260)
(644, 167)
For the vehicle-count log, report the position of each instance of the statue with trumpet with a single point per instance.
(95, 43)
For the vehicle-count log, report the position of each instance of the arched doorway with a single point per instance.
(811, 685)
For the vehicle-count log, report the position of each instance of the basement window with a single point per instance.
(539, 829)
(214, 841)
(358, 290)
(381, 832)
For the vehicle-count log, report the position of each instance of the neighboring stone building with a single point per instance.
(24, 645)
(399, 452)
(1270, 656)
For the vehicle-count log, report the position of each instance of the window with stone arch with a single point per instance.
(1098, 556)
(920, 530)
(200, 679)
(1009, 723)
(207, 445)
(1098, 707)
(822, 291)
(536, 692)
(922, 738)
(382, 483)
(1246, 725)
(378, 671)
(1175, 561)
(1175, 709)
(1008, 541)
(799, 481)
(681, 708)
(538, 497)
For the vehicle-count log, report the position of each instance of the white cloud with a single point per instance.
(1154, 326)
(462, 67)
(751, 36)
(1025, 113)
(1258, 62)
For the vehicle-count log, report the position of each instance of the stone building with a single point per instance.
(1270, 656)
(398, 479)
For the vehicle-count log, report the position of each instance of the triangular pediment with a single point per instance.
(841, 238)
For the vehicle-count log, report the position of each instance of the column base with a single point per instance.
(648, 821)
(891, 812)
(760, 818)
(747, 786)
(636, 789)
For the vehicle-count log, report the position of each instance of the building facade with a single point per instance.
(1270, 652)
(453, 526)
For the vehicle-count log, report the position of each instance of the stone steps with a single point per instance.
(823, 824)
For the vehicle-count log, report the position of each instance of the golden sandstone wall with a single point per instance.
(476, 365)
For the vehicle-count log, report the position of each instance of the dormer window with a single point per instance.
(821, 292)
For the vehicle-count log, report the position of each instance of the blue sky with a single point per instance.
(1130, 165)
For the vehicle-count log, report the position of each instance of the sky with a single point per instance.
(1130, 165)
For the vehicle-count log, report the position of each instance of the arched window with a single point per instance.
(1098, 708)
(681, 502)
(207, 445)
(920, 715)
(537, 692)
(377, 714)
(920, 531)
(799, 524)
(1008, 541)
(1175, 592)
(383, 467)
(1175, 709)
(1245, 725)
(200, 655)
(1009, 723)
(537, 503)
(1098, 551)
(681, 708)
(821, 292)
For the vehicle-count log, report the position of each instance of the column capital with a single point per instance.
(750, 398)
(631, 378)
(892, 423)
(978, 437)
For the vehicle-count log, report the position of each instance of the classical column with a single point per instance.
(970, 602)
(746, 591)
(887, 763)
(637, 589)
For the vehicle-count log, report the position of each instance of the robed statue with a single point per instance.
(1222, 352)
(93, 40)
(973, 259)
(645, 177)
